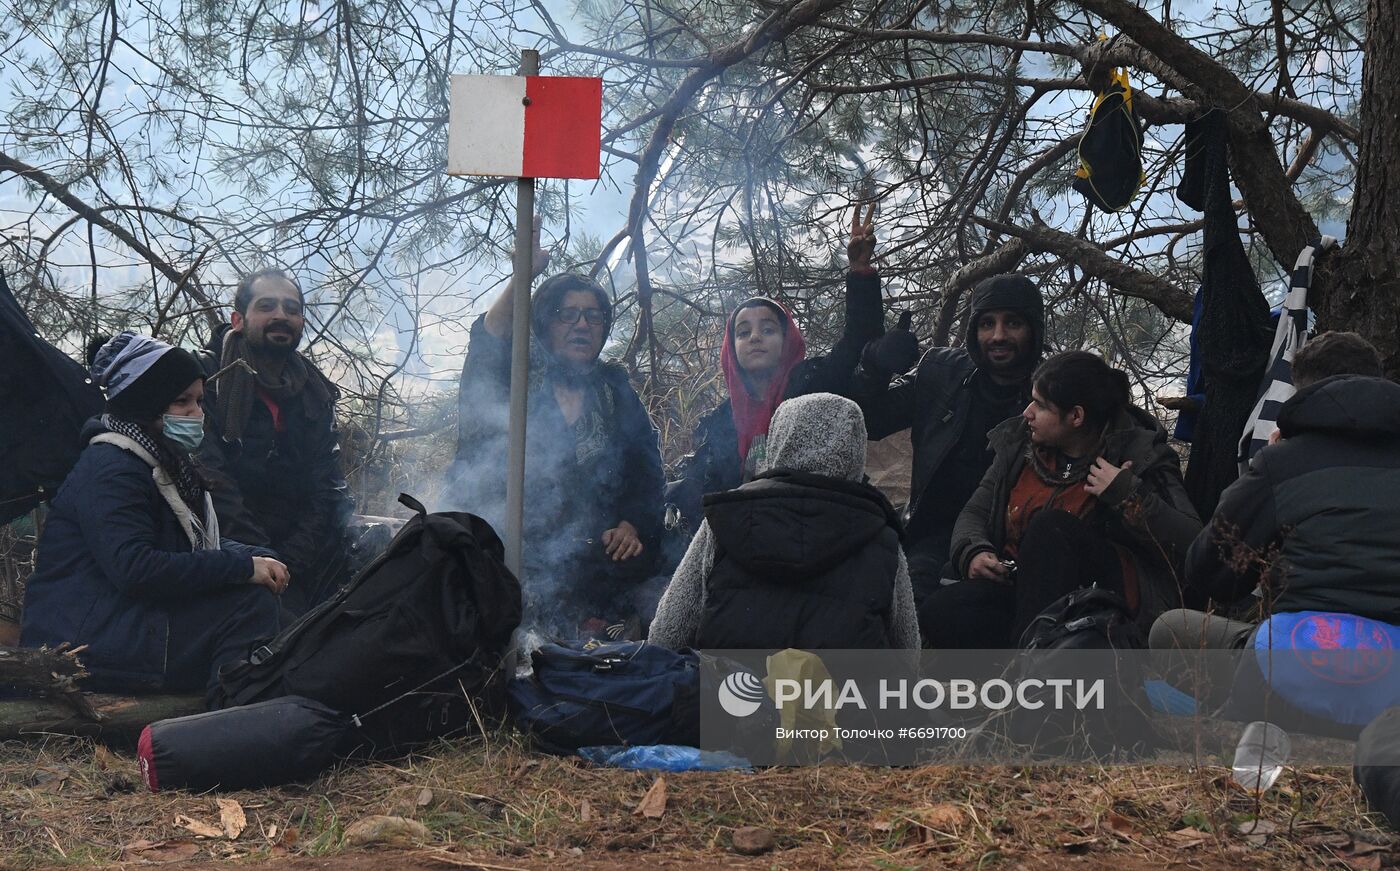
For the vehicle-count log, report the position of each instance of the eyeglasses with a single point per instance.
(570, 315)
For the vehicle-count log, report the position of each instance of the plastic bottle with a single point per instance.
(1260, 756)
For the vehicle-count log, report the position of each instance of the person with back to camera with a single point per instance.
(764, 362)
(1083, 489)
(1323, 497)
(806, 555)
(130, 564)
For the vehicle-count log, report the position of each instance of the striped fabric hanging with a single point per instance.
(1292, 332)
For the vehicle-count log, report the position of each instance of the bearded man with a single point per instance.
(272, 447)
(951, 400)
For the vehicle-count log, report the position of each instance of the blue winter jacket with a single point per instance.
(112, 558)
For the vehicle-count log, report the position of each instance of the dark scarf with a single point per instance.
(1052, 467)
(237, 387)
(595, 430)
(177, 464)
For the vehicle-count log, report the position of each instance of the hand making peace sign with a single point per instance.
(861, 248)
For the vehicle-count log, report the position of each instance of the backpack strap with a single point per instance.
(412, 504)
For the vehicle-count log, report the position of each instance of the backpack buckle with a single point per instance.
(260, 655)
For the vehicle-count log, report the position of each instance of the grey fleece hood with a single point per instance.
(820, 433)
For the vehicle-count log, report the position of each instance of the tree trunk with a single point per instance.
(1360, 289)
(38, 668)
(122, 717)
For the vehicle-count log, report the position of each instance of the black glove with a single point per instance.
(895, 352)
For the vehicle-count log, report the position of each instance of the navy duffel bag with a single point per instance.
(585, 694)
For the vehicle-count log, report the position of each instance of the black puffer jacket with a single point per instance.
(1316, 516)
(804, 561)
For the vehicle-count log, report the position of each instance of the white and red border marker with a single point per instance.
(525, 126)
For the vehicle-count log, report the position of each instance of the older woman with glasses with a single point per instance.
(593, 478)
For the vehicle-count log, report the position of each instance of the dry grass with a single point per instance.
(68, 801)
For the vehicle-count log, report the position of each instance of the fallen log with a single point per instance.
(121, 718)
(39, 668)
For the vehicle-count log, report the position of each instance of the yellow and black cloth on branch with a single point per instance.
(1110, 149)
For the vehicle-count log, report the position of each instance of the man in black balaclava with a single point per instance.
(951, 400)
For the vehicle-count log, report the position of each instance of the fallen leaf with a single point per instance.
(1371, 862)
(232, 818)
(884, 827)
(1187, 838)
(1077, 844)
(385, 830)
(425, 797)
(1119, 825)
(944, 818)
(585, 812)
(104, 758)
(1361, 848)
(653, 804)
(753, 841)
(271, 833)
(202, 829)
(159, 852)
(50, 777)
(1256, 827)
(1334, 840)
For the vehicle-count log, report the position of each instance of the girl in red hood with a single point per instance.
(764, 362)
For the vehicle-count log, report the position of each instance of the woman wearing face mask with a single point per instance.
(130, 562)
(763, 358)
(1083, 489)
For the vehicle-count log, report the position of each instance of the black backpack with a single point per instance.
(1059, 643)
(411, 648)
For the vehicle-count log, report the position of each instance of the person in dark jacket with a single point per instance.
(951, 401)
(1313, 522)
(1083, 489)
(764, 362)
(273, 445)
(593, 479)
(806, 555)
(131, 564)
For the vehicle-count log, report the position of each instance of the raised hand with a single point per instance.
(861, 248)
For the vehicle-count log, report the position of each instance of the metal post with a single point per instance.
(520, 350)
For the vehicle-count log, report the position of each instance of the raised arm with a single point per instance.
(498, 316)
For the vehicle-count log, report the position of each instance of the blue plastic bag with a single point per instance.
(662, 757)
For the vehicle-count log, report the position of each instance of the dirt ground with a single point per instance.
(492, 804)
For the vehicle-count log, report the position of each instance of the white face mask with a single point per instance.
(187, 432)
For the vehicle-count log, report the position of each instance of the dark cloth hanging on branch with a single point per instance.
(1110, 149)
(44, 399)
(1233, 333)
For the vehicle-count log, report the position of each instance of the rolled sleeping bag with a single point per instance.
(263, 744)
